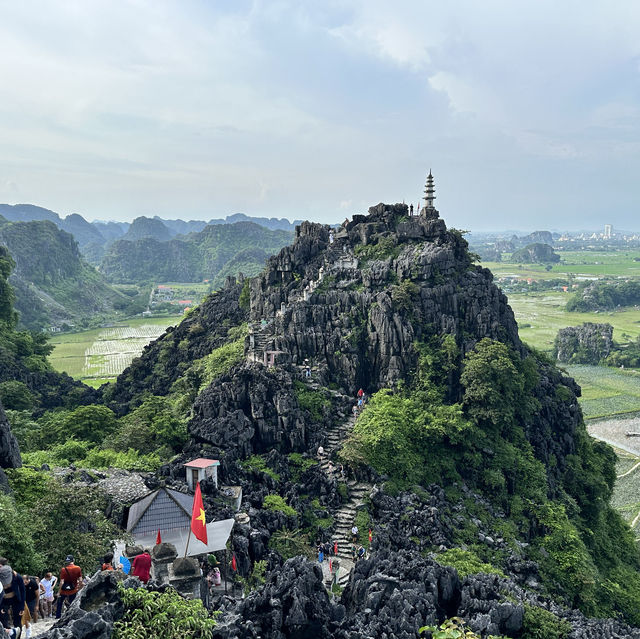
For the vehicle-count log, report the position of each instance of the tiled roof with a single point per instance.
(201, 462)
(163, 509)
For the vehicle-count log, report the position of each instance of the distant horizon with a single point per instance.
(524, 111)
(290, 220)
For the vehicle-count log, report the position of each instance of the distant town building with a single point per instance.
(608, 231)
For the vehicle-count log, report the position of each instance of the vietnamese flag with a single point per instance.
(370, 535)
(158, 538)
(234, 566)
(198, 519)
(335, 548)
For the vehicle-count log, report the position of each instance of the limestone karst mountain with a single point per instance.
(472, 450)
(469, 473)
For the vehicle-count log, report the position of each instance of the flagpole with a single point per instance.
(188, 540)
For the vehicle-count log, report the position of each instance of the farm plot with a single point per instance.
(100, 355)
(607, 391)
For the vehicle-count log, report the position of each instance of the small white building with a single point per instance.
(200, 469)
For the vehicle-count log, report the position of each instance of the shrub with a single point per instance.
(257, 463)
(466, 562)
(167, 614)
(291, 543)
(313, 401)
(15, 395)
(275, 502)
(539, 623)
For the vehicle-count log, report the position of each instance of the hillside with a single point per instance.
(469, 464)
(471, 452)
(145, 227)
(210, 254)
(53, 283)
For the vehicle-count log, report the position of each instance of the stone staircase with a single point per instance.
(344, 517)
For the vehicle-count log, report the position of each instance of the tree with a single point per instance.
(493, 385)
(15, 395)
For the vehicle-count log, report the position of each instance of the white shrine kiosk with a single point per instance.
(200, 469)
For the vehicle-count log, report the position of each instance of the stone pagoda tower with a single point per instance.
(429, 210)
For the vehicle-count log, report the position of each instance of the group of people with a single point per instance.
(360, 403)
(25, 598)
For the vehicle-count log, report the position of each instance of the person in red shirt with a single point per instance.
(142, 566)
(70, 582)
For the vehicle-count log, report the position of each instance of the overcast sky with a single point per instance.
(527, 112)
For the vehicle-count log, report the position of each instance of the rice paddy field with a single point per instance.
(100, 355)
(579, 264)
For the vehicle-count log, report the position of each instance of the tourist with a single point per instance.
(70, 583)
(31, 590)
(330, 237)
(142, 566)
(354, 533)
(360, 393)
(13, 599)
(320, 554)
(354, 552)
(411, 210)
(361, 552)
(107, 563)
(47, 584)
(7, 633)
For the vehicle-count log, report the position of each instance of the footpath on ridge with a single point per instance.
(338, 255)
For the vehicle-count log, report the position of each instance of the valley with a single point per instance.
(99, 355)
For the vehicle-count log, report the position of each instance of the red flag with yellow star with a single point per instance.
(198, 520)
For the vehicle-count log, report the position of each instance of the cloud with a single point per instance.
(303, 109)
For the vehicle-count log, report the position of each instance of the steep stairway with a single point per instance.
(344, 516)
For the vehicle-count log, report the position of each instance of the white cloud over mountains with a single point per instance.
(273, 107)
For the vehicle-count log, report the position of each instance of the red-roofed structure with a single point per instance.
(200, 469)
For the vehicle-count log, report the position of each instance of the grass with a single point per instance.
(541, 315)
(101, 354)
(607, 391)
(574, 263)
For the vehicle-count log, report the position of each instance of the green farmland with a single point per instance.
(574, 264)
(101, 354)
(541, 315)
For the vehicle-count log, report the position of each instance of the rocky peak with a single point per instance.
(353, 300)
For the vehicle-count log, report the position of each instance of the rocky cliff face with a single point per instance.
(9, 451)
(354, 303)
(586, 344)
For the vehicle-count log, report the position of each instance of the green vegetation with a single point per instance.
(53, 282)
(607, 391)
(604, 296)
(275, 502)
(212, 254)
(291, 543)
(312, 400)
(46, 520)
(466, 562)
(386, 247)
(453, 628)
(544, 315)
(539, 623)
(483, 442)
(148, 615)
(257, 463)
(103, 353)
(300, 464)
(223, 358)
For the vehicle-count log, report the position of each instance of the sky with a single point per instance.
(528, 113)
